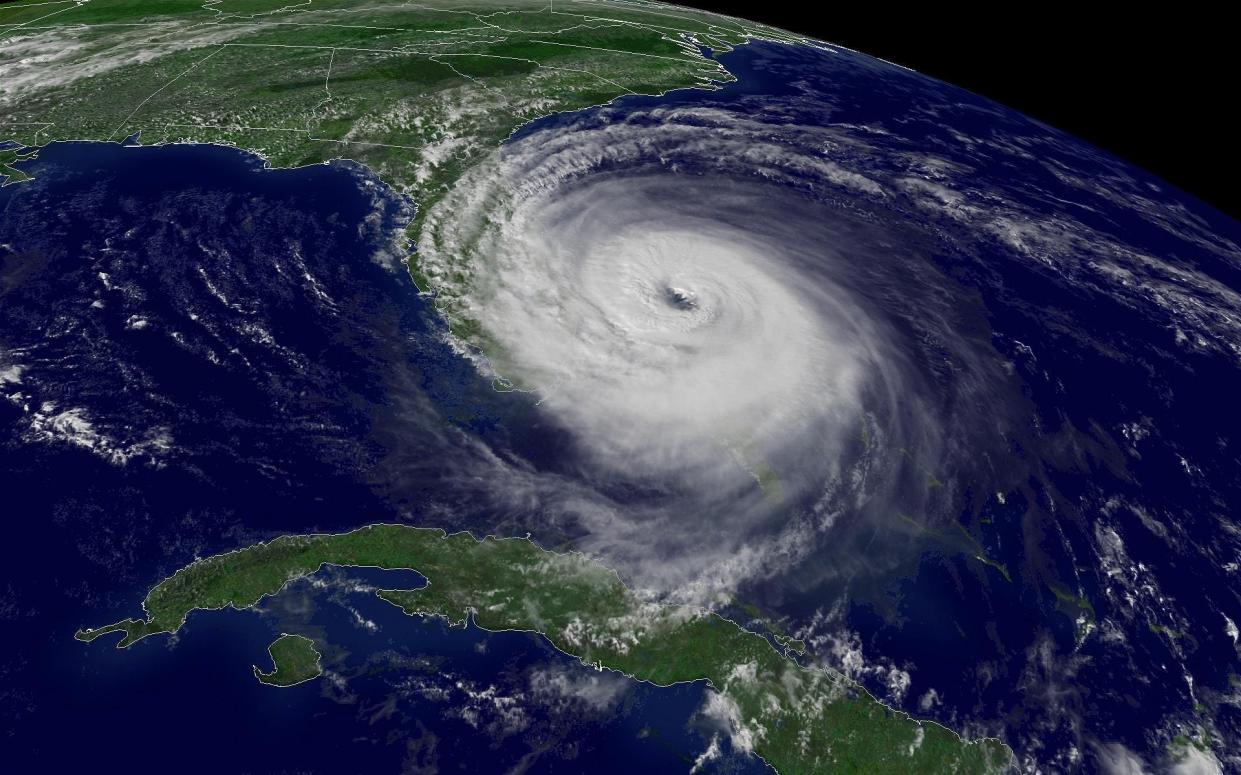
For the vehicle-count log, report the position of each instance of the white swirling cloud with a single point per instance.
(695, 333)
(669, 338)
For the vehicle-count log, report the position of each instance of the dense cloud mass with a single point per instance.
(713, 332)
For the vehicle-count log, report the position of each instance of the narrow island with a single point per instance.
(294, 659)
(797, 718)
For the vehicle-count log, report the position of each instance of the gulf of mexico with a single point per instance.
(200, 353)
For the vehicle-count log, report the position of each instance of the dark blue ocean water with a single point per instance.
(242, 339)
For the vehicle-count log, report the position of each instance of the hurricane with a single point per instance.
(685, 299)
(642, 343)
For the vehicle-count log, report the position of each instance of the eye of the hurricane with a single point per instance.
(680, 298)
(686, 345)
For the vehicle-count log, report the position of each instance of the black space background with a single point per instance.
(1158, 88)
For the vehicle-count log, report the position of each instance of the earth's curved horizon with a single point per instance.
(865, 390)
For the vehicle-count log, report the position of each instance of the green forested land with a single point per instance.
(294, 661)
(798, 718)
(418, 93)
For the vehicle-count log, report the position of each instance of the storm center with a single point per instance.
(680, 298)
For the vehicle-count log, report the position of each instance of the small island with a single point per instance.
(294, 659)
(798, 718)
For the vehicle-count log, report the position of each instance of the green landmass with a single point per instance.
(418, 93)
(1076, 607)
(797, 718)
(960, 540)
(1073, 604)
(1167, 632)
(294, 659)
(8, 173)
(756, 618)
